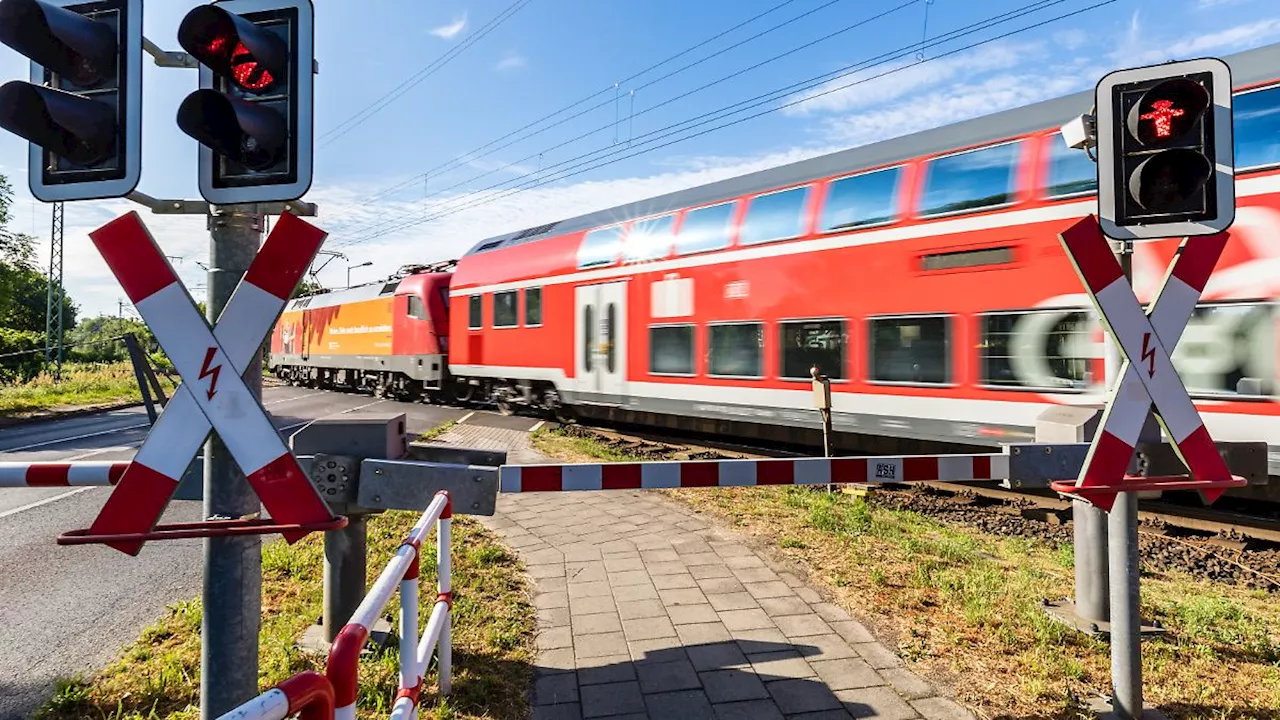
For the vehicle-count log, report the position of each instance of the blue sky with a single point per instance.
(549, 54)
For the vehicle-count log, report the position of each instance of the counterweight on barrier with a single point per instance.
(309, 695)
(403, 572)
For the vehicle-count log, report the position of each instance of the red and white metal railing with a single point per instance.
(308, 695)
(415, 655)
(60, 474)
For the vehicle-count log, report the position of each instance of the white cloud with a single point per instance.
(1206, 4)
(448, 237)
(511, 61)
(905, 77)
(450, 31)
(1071, 39)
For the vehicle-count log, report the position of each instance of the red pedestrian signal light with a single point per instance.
(1165, 164)
(81, 111)
(253, 112)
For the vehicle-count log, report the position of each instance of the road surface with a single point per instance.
(68, 610)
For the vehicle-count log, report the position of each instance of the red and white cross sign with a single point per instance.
(211, 362)
(1147, 374)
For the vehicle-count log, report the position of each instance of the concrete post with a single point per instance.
(232, 565)
(345, 564)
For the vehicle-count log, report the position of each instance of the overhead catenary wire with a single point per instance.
(664, 133)
(669, 101)
(80, 344)
(346, 126)
(689, 93)
(471, 154)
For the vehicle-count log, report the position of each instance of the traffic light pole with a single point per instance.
(1122, 557)
(232, 611)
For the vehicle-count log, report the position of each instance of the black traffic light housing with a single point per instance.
(82, 109)
(1165, 166)
(253, 112)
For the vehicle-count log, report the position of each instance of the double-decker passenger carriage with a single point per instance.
(922, 274)
(390, 337)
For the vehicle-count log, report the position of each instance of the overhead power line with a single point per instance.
(681, 96)
(578, 169)
(395, 93)
(471, 154)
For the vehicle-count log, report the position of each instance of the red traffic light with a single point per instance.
(1167, 111)
(253, 58)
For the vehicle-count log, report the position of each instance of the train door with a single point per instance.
(601, 340)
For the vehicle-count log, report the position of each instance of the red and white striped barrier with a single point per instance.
(1145, 340)
(55, 474)
(743, 473)
(308, 695)
(212, 395)
(415, 654)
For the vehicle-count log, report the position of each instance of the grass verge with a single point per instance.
(158, 675)
(964, 607)
(437, 431)
(82, 385)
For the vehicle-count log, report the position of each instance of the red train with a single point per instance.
(922, 274)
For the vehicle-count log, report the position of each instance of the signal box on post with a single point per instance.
(253, 112)
(82, 109)
(1165, 164)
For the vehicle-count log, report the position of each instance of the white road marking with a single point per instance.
(538, 425)
(464, 417)
(130, 427)
(46, 501)
(341, 412)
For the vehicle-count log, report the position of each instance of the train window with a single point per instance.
(805, 343)
(671, 350)
(1044, 349)
(970, 180)
(776, 216)
(706, 228)
(504, 309)
(588, 336)
(736, 350)
(600, 247)
(533, 307)
(1229, 349)
(911, 350)
(867, 199)
(416, 309)
(1256, 121)
(1071, 172)
(649, 239)
(475, 317)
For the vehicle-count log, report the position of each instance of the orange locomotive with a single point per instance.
(389, 337)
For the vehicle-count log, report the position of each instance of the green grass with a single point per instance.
(963, 605)
(437, 431)
(157, 676)
(82, 385)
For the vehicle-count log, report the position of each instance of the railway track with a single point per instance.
(1217, 544)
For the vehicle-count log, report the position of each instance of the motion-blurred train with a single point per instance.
(922, 274)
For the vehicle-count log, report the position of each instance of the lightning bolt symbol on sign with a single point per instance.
(1148, 354)
(206, 371)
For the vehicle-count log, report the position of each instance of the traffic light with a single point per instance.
(1165, 166)
(253, 112)
(82, 109)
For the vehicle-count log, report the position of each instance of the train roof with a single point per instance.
(1247, 68)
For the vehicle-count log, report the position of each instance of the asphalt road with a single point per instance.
(68, 610)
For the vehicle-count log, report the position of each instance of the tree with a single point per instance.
(306, 287)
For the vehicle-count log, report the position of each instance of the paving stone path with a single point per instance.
(646, 610)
